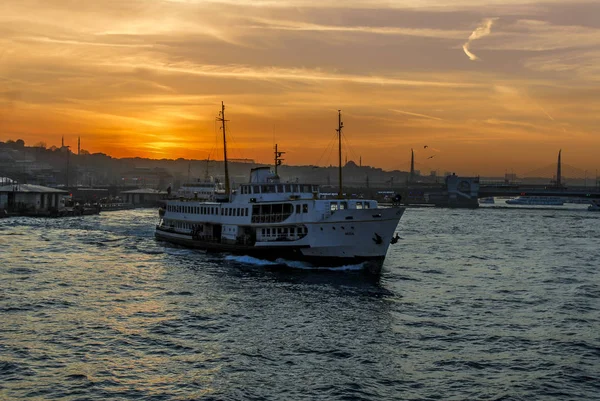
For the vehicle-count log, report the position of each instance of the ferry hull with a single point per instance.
(274, 253)
(332, 242)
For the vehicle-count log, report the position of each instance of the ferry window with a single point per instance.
(287, 188)
(306, 188)
(298, 208)
(256, 189)
(280, 188)
(334, 206)
(367, 205)
(359, 205)
(246, 212)
(343, 205)
(304, 208)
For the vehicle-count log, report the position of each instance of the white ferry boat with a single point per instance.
(536, 201)
(272, 220)
(201, 189)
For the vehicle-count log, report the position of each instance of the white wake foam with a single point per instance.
(295, 264)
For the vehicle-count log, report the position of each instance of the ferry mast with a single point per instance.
(339, 131)
(278, 158)
(222, 119)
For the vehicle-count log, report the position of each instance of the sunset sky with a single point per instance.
(488, 88)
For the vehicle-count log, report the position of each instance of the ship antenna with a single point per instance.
(278, 159)
(222, 119)
(206, 176)
(339, 131)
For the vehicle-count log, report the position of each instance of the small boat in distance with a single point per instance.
(595, 206)
(274, 220)
(486, 201)
(536, 201)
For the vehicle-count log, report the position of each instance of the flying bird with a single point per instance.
(425, 147)
(431, 157)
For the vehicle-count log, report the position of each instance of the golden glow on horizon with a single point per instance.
(504, 90)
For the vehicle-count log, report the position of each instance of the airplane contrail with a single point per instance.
(484, 29)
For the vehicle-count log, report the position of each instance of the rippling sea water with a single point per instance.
(490, 304)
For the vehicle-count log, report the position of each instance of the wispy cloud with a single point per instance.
(484, 29)
(408, 113)
(263, 23)
(281, 73)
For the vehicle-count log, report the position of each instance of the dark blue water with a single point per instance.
(487, 304)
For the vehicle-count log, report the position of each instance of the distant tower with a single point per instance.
(412, 165)
(78, 145)
(360, 161)
(62, 145)
(558, 171)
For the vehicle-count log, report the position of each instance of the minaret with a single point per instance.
(558, 171)
(78, 145)
(62, 144)
(412, 165)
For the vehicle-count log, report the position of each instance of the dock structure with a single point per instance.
(29, 198)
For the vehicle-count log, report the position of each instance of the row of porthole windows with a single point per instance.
(193, 209)
(209, 210)
(277, 188)
(275, 232)
(180, 224)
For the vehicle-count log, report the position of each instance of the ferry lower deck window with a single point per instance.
(359, 205)
(304, 208)
(298, 208)
(367, 205)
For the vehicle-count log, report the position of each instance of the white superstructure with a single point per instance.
(270, 219)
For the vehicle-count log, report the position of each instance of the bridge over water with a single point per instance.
(465, 191)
